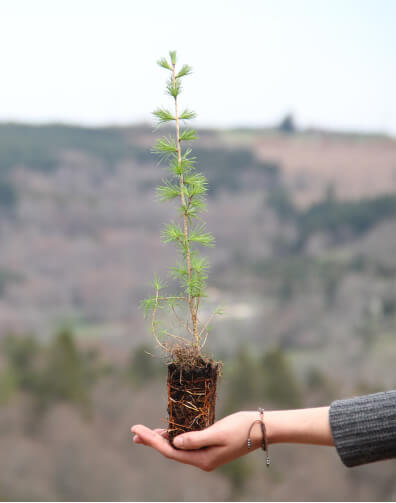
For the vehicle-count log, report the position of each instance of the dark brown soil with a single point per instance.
(191, 398)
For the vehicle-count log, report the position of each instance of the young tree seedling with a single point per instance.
(185, 185)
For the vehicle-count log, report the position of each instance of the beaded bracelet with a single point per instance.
(264, 440)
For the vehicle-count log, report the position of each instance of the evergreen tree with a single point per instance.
(188, 187)
(287, 124)
(278, 382)
(140, 369)
(64, 378)
(22, 354)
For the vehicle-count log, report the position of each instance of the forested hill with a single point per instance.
(297, 217)
(42, 148)
(309, 160)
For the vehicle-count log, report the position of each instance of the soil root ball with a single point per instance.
(191, 398)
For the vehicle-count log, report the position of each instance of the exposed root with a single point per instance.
(191, 397)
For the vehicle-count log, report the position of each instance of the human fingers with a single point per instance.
(202, 459)
(153, 438)
(144, 435)
(160, 431)
(197, 439)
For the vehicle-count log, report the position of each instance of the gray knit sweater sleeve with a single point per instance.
(364, 428)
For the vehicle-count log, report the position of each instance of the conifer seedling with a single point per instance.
(191, 374)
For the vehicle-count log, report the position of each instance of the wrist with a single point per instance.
(275, 425)
(255, 432)
(306, 426)
(284, 426)
(255, 441)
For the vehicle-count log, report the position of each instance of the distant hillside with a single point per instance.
(356, 166)
(42, 148)
(303, 224)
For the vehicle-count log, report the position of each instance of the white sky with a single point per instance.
(329, 62)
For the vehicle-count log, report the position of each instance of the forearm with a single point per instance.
(363, 429)
(303, 426)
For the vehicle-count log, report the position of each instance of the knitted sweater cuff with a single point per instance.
(364, 428)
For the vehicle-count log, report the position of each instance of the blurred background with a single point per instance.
(297, 125)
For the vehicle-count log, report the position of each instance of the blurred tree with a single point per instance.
(227, 167)
(286, 289)
(277, 380)
(94, 367)
(287, 124)
(242, 376)
(329, 274)
(252, 380)
(57, 372)
(64, 377)
(141, 366)
(331, 285)
(340, 218)
(22, 352)
(389, 306)
(8, 195)
(279, 199)
(8, 385)
(315, 379)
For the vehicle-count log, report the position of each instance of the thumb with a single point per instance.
(196, 439)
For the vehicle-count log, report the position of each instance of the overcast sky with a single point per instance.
(329, 62)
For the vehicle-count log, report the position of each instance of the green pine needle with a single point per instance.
(165, 146)
(185, 166)
(147, 305)
(163, 115)
(196, 179)
(197, 184)
(198, 236)
(172, 232)
(194, 287)
(196, 206)
(172, 55)
(187, 115)
(164, 64)
(199, 264)
(175, 167)
(187, 160)
(188, 135)
(168, 191)
(185, 70)
(173, 88)
(157, 283)
(179, 272)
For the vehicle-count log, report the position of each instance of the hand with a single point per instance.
(207, 449)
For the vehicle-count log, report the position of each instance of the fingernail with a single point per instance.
(178, 442)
